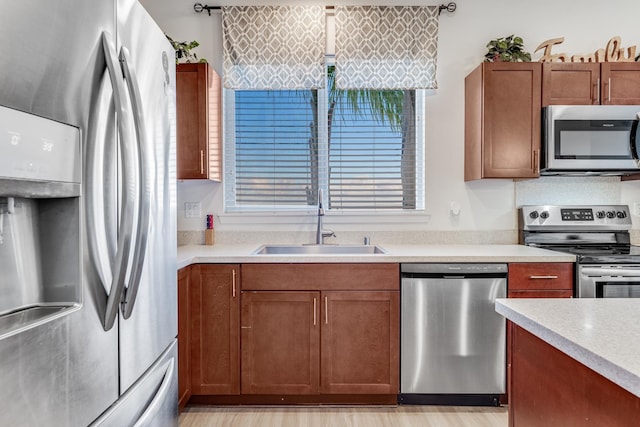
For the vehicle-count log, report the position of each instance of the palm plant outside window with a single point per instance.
(363, 147)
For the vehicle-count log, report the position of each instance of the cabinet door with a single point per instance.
(360, 342)
(215, 359)
(570, 83)
(198, 113)
(184, 336)
(280, 342)
(511, 120)
(620, 83)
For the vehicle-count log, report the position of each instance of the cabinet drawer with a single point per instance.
(314, 277)
(549, 293)
(540, 276)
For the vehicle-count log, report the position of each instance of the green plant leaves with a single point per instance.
(183, 50)
(507, 49)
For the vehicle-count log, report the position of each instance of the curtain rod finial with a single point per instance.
(449, 7)
(198, 7)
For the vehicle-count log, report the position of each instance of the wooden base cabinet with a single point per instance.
(540, 280)
(215, 329)
(358, 354)
(551, 388)
(534, 280)
(184, 337)
(328, 341)
(320, 342)
(280, 343)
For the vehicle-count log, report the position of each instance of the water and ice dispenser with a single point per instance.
(40, 246)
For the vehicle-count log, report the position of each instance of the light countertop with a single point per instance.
(602, 334)
(396, 253)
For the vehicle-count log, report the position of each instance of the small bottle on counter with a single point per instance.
(209, 236)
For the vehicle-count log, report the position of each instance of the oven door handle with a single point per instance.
(610, 272)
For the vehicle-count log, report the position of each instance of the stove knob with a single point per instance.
(611, 214)
(533, 214)
(601, 214)
(544, 214)
(621, 214)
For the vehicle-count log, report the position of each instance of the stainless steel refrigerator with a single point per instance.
(88, 306)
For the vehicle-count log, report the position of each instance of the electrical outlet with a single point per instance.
(192, 210)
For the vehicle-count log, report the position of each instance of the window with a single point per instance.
(364, 148)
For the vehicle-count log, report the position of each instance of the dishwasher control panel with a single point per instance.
(454, 268)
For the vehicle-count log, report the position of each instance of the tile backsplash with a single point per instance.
(562, 190)
(349, 237)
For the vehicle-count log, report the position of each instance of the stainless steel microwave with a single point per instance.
(590, 139)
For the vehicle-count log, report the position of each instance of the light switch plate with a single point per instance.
(192, 210)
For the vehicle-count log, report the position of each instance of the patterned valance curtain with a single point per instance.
(386, 47)
(273, 47)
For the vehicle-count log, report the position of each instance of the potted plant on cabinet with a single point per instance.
(507, 49)
(183, 51)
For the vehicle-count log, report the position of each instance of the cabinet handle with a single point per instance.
(543, 277)
(597, 97)
(314, 311)
(536, 161)
(233, 283)
(609, 91)
(201, 162)
(326, 311)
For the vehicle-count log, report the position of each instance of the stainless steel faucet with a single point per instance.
(320, 232)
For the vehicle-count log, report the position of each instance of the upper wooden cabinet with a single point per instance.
(502, 120)
(606, 83)
(198, 111)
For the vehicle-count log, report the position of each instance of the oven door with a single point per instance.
(609, 281)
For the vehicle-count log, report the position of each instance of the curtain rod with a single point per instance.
(198, 7)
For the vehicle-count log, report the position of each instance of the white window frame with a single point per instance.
(229, 180)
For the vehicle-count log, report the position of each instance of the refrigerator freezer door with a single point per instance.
(152, 324)
(149, 402)
(64, 371)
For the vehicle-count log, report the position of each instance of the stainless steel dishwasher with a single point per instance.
(453, 343)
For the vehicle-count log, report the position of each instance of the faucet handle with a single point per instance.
(367, 241)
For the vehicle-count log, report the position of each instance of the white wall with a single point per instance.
(587, 25)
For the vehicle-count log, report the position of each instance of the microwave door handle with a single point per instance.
(125, 228)
(634, 140)
(144, 193)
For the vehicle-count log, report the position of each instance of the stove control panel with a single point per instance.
(583, 217)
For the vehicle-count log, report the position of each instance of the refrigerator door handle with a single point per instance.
(159, 398)
(125, 228)
(144, 193)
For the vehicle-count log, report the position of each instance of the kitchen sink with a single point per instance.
(319, 249)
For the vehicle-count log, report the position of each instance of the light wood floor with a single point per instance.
(400, 416)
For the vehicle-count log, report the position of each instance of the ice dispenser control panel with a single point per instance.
(36, 148)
